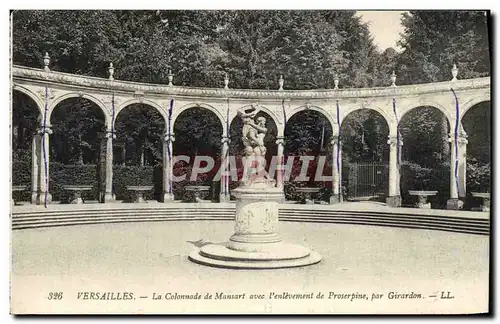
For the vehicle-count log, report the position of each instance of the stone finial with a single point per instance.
(226, 81)
(454, 72)
(111, 71)
(393, 79)
(336, 81)
(46, 62)
(170, 78)
(281, 82)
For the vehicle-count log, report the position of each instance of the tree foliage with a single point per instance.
(435, 40)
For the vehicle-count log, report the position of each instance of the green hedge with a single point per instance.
(204, 179)
(62, 175)
(478, 177)
(291, 192)
(415, 177)
(21, 175)
(124, 176)
(478, 180)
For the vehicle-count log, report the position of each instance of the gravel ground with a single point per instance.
(147, 258)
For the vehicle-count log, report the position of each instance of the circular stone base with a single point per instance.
(284, 255)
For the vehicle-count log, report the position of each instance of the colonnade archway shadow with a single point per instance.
(25, 123)
(425, 156)
(76, 149)
(198, 133)
(138, 151)
(477, 125)
(308, 135)
(365, 156)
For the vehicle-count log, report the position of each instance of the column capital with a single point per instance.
(47, 129)
(461, 138)
(110, 134)
(393, 140)
(280, 140)
(336, 140)
(168, 137)
(225, 139)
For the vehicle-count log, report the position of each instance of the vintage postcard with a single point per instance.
(250, 162)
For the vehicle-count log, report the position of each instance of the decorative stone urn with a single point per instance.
(486, 200)
(256, 243)
(422, 197)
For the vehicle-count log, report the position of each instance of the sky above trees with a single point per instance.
(384, 26)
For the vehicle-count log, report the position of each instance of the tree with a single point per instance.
(435, 40)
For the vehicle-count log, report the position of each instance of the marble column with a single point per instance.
(336, 196)
(225, 175)
(398, 169)
(108, 195)
(168, 192)
(44, 195)
(455, 191)
(394, 198)
(462, 164)
(36, 150)
(280, 167)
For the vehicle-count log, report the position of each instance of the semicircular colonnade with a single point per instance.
(49, 88)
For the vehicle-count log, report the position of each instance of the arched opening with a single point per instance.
(477, 124)
(25, 116)
(365, 155)
(77, 149)
(425, 155)
(138, 151)
(198, 135)
(236, 146)
(308, 136)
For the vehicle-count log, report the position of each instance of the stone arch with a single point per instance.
(389, 119)
(31, 95)
(91, 98)
(177, 112)
(270, 113)
(141, 101)
(333, 123)
(472, 102)
(412, 106)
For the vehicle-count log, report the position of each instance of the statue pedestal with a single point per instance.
(256, 243)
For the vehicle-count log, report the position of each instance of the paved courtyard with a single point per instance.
(147, 258)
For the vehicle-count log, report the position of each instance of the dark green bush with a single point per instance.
(62, 175)
(416, 177)
(478, 177)
(124, 176)
(203, 179)
(21, 175)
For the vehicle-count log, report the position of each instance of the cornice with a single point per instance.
(101, 84)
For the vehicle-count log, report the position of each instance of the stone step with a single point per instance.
(97, 220)
(395, 223)
(380, 219)
(118, 213)
(410, 218)
(375, 218)
(444, 227)
(388, 214)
